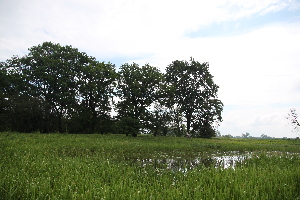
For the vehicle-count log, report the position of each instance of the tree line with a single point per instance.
(57, 88)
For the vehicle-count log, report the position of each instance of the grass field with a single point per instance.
(65, 166)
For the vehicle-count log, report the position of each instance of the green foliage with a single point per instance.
(25, 113)
(264, 136)
(62, 85)
(137, 89)
(195, 94)
(95, 90)
(227, 136)
(57, 88)
(129, 125)
(53, 72)
(246, 135)
(4, 84)
(66, 166)
(159, 119)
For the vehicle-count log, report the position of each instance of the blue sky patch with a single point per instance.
(245, 25)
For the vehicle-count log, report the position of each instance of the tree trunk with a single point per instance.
(60, 126)
(188, 124)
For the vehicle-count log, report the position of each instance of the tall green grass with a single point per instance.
(58, 166)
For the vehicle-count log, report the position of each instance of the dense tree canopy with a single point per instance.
(57, 88)
(137, 89)
(52, 73)
(65, 82)
(3, 102)
(195, 95)
(95, 91)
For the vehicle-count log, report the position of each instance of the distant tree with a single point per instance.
(264, 136)
(218, 134)
(227, 136)
(246, 135)
(195, 95)
(137, 89)
(293, 118)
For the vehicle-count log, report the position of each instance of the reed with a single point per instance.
(58, 166)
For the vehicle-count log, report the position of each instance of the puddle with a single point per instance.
(183, 165)
(223, 160)
(230, 161)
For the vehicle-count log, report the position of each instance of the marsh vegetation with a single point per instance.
(67, 166)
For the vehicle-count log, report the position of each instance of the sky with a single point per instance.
(252, 47)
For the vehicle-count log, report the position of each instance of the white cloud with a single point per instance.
(256, 68)
(268, 120)
(247, 67)
(127, 28)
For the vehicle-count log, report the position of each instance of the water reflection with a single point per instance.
(183, 165)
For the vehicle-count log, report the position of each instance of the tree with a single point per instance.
(178, 127)
(137, 88)
(13, 79)
(52, 73)
(293, 118)
(72, 91)
(246, 135)
(227, 136)
(25, 113)
(12, 90)
(264, 136)
(159, 119)
(195, 94)
(4, 84)
(95, 89)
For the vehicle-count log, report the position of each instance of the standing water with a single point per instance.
(184, 164)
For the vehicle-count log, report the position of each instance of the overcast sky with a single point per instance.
(253, 47)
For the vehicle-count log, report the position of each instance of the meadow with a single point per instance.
(69, 166)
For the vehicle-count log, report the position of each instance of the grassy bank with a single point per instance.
(59, 166)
